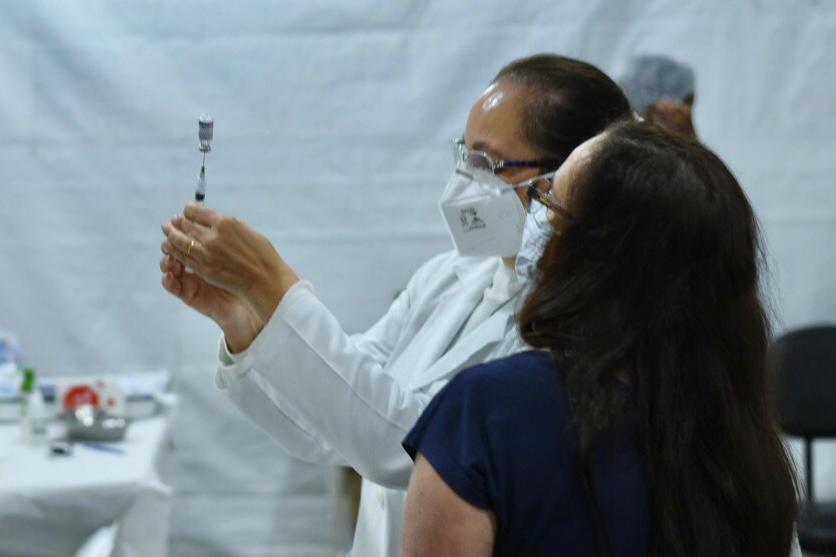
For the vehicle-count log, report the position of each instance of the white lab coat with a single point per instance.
(326, 396)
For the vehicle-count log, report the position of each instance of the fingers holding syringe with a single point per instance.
(184, 238)
(200, 214)
(172, 284)
(173, 272)
(191, 228)
(183, 286)
(185, 249)
(168, 264)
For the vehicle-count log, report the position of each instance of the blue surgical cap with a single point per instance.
(649, 78)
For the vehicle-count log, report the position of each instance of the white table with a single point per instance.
(49, 505)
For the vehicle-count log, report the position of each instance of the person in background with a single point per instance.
(326, 396)
(640, 424)
(661, 90)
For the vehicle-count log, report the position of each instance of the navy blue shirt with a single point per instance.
(501, 435)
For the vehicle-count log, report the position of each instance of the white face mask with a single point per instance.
(483, 214)
(536, 234)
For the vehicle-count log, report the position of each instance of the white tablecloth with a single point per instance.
(49, 505)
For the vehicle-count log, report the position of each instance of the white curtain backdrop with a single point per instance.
(331, 137)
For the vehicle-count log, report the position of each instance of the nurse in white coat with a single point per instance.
(327, 396)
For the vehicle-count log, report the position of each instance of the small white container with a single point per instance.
(34, 415)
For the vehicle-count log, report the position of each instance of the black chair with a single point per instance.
(804, 364)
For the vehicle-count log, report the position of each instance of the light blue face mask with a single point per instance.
(536, 233)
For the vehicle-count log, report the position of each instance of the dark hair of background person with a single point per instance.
(658, 279)
(569, 102)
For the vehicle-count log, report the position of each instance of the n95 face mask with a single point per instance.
(483, 214)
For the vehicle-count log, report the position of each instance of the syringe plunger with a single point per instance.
(200, 191)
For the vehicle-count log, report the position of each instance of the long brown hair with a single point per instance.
(658, 276)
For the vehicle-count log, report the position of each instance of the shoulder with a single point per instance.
(508, 371)
(498, 385)
(502, 406)
(524, 378)
(488, 410)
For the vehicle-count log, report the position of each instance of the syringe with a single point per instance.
(205, 126)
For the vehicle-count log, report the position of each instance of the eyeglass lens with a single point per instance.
(539, 200)
(478, 161)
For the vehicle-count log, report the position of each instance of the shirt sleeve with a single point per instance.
(452, 436)
(332, 385)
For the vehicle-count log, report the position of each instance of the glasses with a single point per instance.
(480, 160)
(539, 189)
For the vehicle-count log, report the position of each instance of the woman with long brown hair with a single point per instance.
(641, 424)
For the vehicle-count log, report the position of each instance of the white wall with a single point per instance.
(332, 123)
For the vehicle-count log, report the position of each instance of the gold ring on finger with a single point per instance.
(189, 251)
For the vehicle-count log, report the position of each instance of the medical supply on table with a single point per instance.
(104, 447)
(60, 447)
(101, 392)
(205, 131)
(10, 377)
(34, 416)
(88, 423)
(9, 349)
(10, 380)
(134, 395)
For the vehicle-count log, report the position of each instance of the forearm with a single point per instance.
(273, 281)
(258, 402)
(239, 333)
(340, 391)
(261, 301)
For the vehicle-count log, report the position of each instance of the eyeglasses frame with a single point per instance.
(533, 193)
(460, 147)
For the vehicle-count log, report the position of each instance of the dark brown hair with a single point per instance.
(569, 102)
(658, 278)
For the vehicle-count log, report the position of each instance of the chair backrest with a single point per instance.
(804, 366)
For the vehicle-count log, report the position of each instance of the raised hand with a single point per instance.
(239, 322)
(228, 254)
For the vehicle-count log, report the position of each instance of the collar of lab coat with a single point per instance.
(475, 270)
(475, 275)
